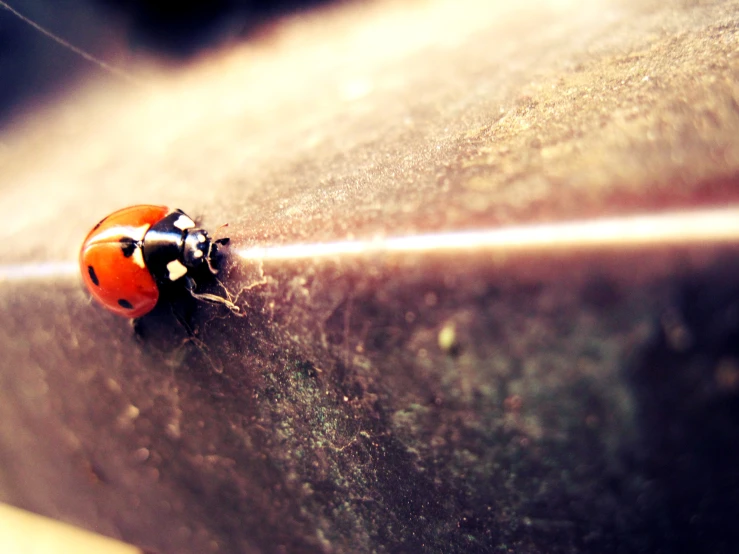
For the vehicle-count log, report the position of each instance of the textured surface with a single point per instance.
(457, 402)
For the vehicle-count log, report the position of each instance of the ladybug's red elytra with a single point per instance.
(130, 254)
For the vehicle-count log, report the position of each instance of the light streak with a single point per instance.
(719, 225)
(686, 228)
(38, 271)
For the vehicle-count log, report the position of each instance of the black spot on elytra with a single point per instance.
(128, 245)
(93, 277)
(123, 303)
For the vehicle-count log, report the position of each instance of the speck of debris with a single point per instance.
(447, 338)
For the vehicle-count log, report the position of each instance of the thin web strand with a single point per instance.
(89, 57)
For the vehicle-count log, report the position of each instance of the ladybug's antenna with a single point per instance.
(89, 57)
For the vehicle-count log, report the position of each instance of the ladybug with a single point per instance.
(133, 253)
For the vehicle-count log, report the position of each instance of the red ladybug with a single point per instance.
(133, 252)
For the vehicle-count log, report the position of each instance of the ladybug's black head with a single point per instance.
(198, 249)
(173, 247)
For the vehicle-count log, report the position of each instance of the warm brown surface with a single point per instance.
(426, 115)
(451, 403)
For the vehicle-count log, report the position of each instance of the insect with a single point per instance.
(131, 255)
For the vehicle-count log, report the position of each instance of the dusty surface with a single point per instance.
(452, 403)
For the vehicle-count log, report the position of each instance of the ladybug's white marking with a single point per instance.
(201, 237)
(198, 254)
(136, 234)
(183, 222)
(138, 258)
(176, 270)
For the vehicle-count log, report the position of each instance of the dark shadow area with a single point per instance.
(686, 386)
(180, 28)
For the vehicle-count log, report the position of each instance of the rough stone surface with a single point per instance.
(448, 402)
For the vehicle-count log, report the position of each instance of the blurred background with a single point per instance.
(32, 66)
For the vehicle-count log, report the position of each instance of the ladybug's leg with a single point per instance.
(192, 338)
(190, 285)
(137, 328)
(184, 320)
